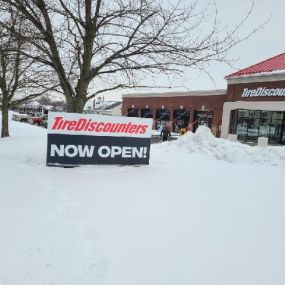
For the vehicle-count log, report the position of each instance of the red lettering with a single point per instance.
(71, 125)
(65, 124)
(100, 127)
(107, 127)
(87, 125)
(56, 123)
(92, 127)
(127, 128)
(80, 125)
(114, 128)
(132, 129)
(122, 128)
(143, 129)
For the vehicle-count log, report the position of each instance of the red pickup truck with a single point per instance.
(37, 120)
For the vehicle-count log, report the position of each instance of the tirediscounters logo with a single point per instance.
(262, 91)
(75, 139)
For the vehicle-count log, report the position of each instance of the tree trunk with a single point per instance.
(75, 106)
(5, 121)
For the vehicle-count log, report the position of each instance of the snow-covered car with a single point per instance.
(20, 117)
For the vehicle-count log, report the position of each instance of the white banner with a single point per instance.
(76, 139)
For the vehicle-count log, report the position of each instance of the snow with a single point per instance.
(258, 74)
(31, 104)
(203, 142)
(99, 105)
(204, 212)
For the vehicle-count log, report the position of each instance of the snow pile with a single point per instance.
(203, 142)
(26, 145)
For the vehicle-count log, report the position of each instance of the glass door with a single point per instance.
(242, 124)
(283, 131)
(276, 128)
(253, 123)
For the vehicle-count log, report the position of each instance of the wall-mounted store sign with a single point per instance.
(263, 92)
(75, 139)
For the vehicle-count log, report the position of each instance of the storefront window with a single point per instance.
(243, 113)
(265, 121)
(163, 114)
(251, 124)
(162, 118)
(241, 129)
(276, 127)
(133, 112)
(202, 118)
(181, 119)
(252, 130)
(146, 113)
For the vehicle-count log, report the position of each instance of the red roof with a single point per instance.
(269, 65)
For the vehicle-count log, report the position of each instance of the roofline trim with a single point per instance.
(215, 92)
(257, 78)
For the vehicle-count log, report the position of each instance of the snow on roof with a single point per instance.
(104, 105)
(48, 107)
(31, 104)
(179, 93)
(273, 65)
(109, 107)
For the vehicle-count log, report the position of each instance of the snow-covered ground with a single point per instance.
(204, 212)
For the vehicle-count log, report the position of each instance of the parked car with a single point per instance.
(37, 120)
(20, 117)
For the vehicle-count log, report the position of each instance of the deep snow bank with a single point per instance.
(203, 142)
(26, 145)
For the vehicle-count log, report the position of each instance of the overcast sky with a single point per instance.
(262, 45)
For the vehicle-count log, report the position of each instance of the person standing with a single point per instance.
(165, 133)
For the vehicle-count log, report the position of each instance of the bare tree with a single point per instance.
(21, 78)
(105, 45)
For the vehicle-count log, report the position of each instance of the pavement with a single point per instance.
(157, 139)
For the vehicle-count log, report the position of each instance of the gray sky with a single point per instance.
(262, 45)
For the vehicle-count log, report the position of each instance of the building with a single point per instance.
(252, 106)
(33, 108)
(255, 102)
(112, 108)
(178, 109)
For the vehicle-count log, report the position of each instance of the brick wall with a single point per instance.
(190, 103)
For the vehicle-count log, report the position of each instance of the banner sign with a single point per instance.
(75, 139)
